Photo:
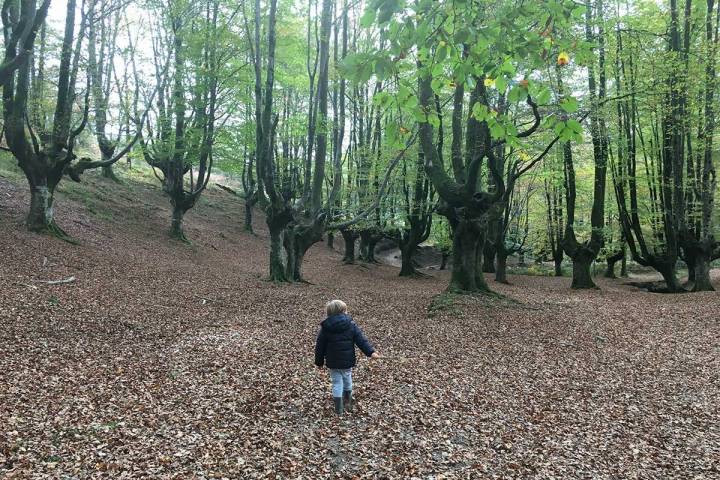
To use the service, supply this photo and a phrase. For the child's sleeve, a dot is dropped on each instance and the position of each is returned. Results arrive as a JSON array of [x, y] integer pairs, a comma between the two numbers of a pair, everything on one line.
[[320, 345], [361, 341]]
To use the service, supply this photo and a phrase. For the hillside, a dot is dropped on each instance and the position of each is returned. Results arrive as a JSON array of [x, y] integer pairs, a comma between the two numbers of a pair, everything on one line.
[[167, 360]]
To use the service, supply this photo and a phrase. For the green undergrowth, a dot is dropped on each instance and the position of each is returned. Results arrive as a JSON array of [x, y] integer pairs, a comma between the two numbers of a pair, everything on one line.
[[9, 168]]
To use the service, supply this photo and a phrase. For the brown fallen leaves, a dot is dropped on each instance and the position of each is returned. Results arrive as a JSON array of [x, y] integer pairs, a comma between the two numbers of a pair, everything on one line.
[[167, 361]]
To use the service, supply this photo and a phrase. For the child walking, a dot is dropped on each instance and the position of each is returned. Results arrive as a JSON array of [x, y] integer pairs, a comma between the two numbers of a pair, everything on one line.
[[335, 348]]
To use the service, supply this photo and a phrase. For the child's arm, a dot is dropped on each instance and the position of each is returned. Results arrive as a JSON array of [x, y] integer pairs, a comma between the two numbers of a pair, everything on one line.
[[362, 342], [320, 345]]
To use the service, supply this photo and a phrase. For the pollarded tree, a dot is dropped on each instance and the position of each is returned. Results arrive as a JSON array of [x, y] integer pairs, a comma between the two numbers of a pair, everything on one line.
[[43, 160], [583, 253], [105, 16], [418, 202], [513, 223], [663, 171], [700, 247], [480, 46], [183, 129]]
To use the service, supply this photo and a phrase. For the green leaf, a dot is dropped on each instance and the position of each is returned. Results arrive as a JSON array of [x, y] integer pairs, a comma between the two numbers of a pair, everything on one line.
[[368, 18], [543, 95], [442, 53], [497, 131], [436, 85], [517, 94], [383, 68], [462, 35], [575, 126], [569, 104]]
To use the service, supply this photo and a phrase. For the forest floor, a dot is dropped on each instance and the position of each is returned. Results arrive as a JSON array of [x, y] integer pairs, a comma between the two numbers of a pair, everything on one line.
[[167, 360]]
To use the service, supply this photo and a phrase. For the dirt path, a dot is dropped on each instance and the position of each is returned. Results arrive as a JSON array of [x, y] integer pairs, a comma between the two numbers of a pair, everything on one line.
[[164, 360]]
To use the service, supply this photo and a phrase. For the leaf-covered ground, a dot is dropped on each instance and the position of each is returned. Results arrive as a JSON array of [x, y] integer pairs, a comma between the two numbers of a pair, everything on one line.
[[163, 360]]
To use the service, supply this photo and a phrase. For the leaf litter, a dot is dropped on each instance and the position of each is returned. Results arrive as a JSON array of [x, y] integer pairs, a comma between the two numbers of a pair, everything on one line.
[[166, 361]]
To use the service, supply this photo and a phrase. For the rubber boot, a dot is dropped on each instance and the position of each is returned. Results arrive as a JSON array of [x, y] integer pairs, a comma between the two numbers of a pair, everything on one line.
[[338, 405], [348, 400]]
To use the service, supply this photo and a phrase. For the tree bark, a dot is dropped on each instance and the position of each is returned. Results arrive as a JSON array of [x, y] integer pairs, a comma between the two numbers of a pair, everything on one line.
[[444, 259], [669, 274], [489, 253], [611, 261], [501, 271], [40, 217], [109, 173], [297, 241], [368, 241], [250, 202], [558, 266], [467, 275], [277, 268], [701, 268], [407, 269], [176, 226], [349, 238], [581, 276]]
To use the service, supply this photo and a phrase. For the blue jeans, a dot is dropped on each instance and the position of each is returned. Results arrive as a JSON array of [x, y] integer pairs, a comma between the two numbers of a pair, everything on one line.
[[341, 381]]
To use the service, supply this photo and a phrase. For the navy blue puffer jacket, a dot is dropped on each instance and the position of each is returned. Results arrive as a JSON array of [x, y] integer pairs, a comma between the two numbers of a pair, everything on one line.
[[335, 346]]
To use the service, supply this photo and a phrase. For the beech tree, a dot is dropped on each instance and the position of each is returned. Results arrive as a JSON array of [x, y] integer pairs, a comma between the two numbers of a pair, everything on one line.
[[21, 23], [452, 52], [674, 176], [181, 133], [43, 159], [584, 253]]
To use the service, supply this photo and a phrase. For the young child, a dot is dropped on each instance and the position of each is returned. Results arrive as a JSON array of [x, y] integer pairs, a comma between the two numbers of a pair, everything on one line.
[[335, 348]]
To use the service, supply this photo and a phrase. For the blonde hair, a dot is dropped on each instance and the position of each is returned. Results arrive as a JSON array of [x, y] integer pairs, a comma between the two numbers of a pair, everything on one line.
[[334, 307]]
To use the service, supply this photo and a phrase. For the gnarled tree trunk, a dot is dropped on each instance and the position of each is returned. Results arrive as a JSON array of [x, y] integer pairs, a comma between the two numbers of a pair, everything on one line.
[[349, 238]]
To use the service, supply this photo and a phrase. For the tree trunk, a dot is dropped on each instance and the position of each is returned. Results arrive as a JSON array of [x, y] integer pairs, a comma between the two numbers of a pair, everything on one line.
[[40, 217], [669, 274], [109, 173], [623, 266], [277, 268], [444, 259], [489, 253], [368, 241], [610, 269], [701, 268], [331, 240], [501, 271], [407, 268], [250, 200], [581, 276], [558, 266], [611, 261], [176, 227], [467, 272], [297, 240], [248, 217], [691, 273], [349, 238]]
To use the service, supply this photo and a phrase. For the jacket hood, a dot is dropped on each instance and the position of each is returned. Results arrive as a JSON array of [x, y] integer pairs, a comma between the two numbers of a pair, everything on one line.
[[337, 323]]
